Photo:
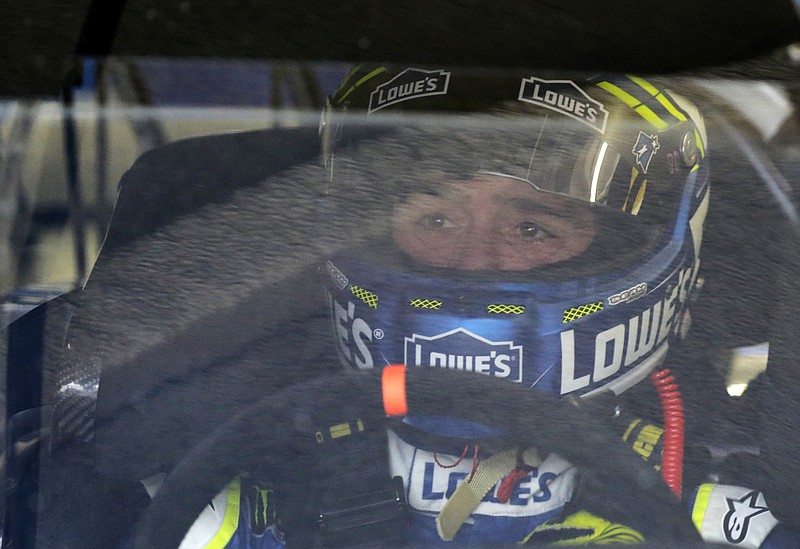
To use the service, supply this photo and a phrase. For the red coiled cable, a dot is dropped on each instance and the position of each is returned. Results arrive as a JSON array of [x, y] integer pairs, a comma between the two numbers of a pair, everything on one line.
[[672, 405]]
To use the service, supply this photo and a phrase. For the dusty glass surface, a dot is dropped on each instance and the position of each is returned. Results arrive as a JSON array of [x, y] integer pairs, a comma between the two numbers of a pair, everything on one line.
[[231, 318]]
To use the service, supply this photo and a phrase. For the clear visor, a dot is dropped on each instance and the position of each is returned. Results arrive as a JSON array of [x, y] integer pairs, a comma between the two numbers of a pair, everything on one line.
[[553, 153], [479, 193]]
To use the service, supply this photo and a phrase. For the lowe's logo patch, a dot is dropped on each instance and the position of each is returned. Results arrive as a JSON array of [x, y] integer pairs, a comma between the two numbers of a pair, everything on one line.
[[566, 97], [645, 149], [460, 349], [409, 84]]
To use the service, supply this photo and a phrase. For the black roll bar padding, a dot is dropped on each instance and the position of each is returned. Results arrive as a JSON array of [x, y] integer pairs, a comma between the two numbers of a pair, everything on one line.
[[281, 424], [780, 414]]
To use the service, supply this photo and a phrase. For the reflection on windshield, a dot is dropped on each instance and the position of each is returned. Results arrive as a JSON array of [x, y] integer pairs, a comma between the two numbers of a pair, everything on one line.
[[222, 197]]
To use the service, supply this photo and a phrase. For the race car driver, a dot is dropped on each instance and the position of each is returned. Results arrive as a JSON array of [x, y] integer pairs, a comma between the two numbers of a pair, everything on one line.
[[538, 228]]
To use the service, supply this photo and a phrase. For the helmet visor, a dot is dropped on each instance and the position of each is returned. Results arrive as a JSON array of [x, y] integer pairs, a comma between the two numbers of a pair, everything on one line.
[[492, 192]]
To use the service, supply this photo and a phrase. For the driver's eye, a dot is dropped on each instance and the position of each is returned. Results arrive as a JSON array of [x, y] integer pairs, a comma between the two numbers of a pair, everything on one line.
[[529, 231], [435, 221]]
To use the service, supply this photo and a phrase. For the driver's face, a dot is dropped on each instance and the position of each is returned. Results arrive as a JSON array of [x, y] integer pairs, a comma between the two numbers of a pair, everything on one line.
[[491, 223]]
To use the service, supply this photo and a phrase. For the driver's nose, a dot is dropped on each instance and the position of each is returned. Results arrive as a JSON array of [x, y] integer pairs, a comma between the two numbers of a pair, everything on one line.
[[480, 251]]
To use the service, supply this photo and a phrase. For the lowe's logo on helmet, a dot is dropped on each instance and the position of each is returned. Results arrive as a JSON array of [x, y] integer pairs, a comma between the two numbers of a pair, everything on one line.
[[353, 334], [566, 97], [409, 84], [637, 343], [460, 349]]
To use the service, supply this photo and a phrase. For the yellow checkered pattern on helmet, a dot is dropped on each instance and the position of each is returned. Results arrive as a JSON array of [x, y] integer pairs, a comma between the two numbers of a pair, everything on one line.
[[366, 296], [574, 313], [434, 304], [500, 308]]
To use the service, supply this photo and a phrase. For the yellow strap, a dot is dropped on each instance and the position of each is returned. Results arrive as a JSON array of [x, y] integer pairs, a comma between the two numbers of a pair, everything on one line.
[[469, 494], [700, 505], [231, 520]]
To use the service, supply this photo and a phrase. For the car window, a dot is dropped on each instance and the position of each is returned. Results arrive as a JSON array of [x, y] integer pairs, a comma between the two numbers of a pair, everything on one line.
[[211, 268]]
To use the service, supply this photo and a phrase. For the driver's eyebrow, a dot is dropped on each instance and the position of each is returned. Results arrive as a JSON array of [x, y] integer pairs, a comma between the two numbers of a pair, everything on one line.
[[529, 205]]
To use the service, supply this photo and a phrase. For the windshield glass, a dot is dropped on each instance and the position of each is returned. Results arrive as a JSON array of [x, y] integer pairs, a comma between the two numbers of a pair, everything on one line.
[[208, 267]]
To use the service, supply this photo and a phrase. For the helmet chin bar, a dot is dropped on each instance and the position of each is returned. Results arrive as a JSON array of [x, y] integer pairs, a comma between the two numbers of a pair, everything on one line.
[[548, 334], [296, 413]]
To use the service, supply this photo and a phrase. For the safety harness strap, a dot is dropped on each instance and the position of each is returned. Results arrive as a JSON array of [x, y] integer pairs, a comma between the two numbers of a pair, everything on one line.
[[470, 493]]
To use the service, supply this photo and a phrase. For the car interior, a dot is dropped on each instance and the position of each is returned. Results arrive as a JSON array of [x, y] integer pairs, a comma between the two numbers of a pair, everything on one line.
[[162, 303]]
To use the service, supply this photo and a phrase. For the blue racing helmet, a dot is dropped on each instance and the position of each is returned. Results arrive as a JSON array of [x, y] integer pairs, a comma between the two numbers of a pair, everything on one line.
[[534, 227]]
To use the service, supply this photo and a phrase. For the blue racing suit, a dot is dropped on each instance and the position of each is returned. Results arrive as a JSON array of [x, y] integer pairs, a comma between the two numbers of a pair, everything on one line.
[[530, 505]]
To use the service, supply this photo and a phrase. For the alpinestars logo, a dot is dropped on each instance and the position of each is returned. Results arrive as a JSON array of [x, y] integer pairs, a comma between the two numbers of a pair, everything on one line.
[[460, 349], [645, 149], [566, 97], [740, 512], [409, 84]]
